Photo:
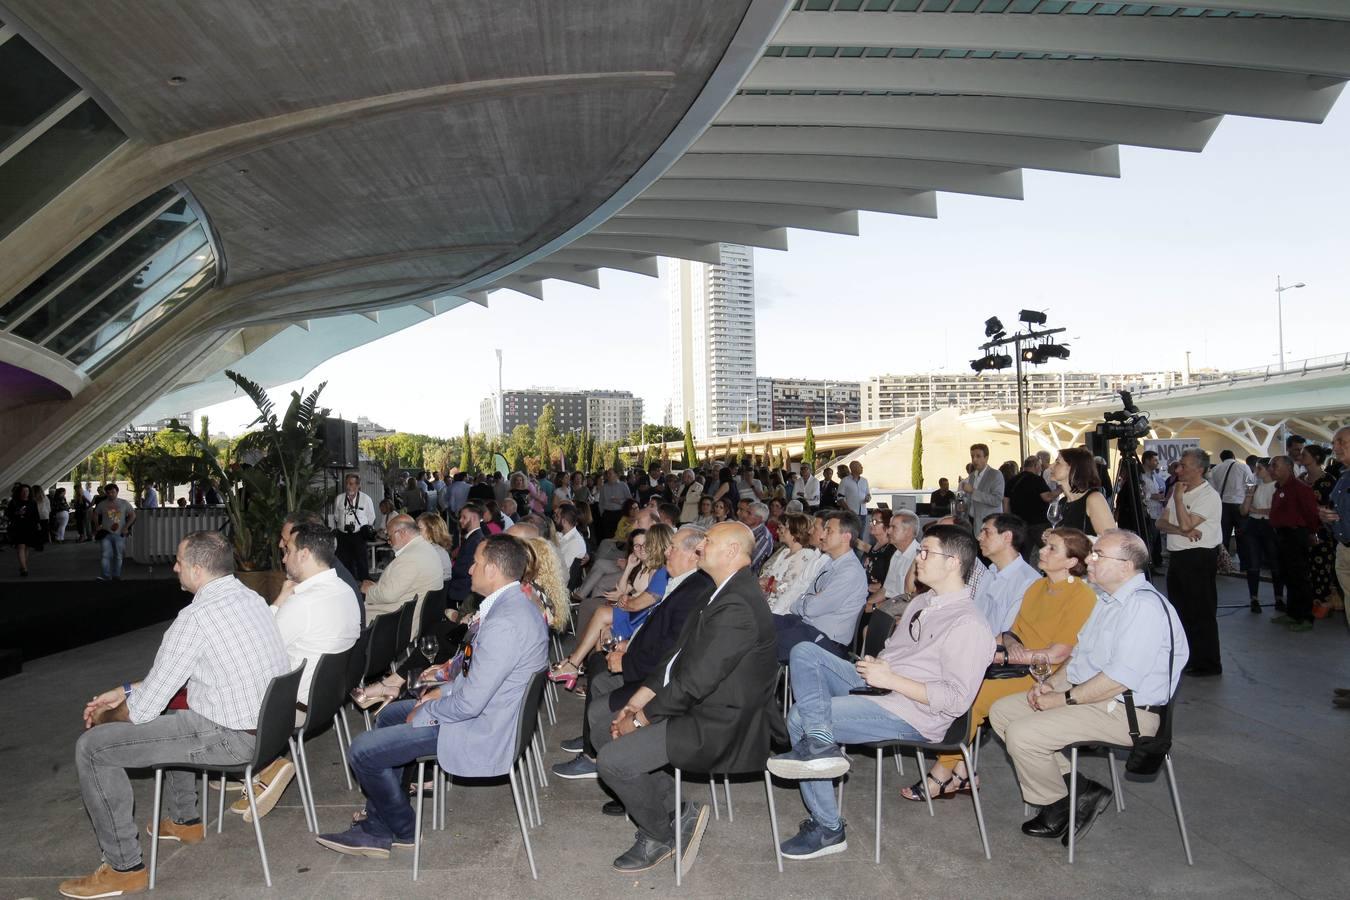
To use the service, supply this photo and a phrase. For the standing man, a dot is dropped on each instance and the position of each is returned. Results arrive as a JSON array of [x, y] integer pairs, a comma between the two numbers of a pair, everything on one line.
[[1124, 646], [150, 500], [1191, 520], [829, 490], [1000, 589], [1153, 488], [857, 492], [614, 493], [809, 493], [127, 727], [352, 518], [113, 518], [827, 613], [983, 487], [1028, 499], [1337, 519], [1230, 478], [1297, 519], [709, 707]]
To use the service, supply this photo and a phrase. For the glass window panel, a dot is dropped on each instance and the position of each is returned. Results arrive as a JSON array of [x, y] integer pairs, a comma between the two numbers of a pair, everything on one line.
[[995, 6], [878, 5], [848, 5], [817, 5], [798, 51], [118, 265], [103, 346], [164, 275], [850, 52], [1023, 6], [966, 6], [877, 52], [30, 87], [81, 255], [43, 169]]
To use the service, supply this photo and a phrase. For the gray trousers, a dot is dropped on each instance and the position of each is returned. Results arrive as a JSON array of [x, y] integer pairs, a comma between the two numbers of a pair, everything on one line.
[[598, 713], [105, 752], [633, 767]]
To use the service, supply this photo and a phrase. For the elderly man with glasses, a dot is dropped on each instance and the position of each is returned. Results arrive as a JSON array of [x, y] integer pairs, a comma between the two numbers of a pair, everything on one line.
[[1129, 646], [926, 677]]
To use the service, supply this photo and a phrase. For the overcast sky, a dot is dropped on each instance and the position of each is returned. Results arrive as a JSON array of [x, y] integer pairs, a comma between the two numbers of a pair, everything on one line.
[[1179, 254]]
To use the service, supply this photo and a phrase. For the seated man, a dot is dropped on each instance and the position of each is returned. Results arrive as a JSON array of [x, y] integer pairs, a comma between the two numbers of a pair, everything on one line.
[[634, 661], [459, 595], [709, 707], [827, 613], [932, 668], [226, 680], [754, 514], [1003, 584], [414, 572], [900, 582], [316, 614], [571, 545], [1125, 645], [470, 723]]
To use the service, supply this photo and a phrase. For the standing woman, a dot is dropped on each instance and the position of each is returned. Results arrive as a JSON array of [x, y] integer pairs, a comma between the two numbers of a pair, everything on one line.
[[24, 524], [60, 515], [44, 508], [1081, 505], [1258, 537], [1322, 555]]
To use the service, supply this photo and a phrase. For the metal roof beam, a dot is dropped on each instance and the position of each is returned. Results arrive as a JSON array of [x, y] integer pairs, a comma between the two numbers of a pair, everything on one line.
[[897, 201], [834, 219], [1269, 95], [1305, 46], [1318, 9], [561, 272], [638, 264], [699, 230], [914, 174], [1166, 129], [900, 143], [680, 248], [530, 287]]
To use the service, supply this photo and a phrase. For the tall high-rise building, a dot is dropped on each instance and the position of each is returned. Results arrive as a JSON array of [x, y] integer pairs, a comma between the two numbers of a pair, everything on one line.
[[712, 341]]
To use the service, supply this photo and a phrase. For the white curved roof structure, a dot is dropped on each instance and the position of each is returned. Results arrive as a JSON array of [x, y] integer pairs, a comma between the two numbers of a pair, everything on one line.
[[263, 186]]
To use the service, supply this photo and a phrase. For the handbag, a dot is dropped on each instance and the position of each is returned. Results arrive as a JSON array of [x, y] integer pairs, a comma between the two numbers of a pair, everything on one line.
[[1149, 753], [999, 671]]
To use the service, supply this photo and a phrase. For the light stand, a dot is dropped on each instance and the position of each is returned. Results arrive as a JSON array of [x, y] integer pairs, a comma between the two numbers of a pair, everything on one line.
[[1018, 342]]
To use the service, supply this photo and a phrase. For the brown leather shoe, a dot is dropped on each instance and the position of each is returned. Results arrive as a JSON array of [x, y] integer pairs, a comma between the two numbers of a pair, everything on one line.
[[169, 830], [106, 882]]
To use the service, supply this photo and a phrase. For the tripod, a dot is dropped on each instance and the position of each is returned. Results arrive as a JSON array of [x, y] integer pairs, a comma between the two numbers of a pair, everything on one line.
[[1131, 514]]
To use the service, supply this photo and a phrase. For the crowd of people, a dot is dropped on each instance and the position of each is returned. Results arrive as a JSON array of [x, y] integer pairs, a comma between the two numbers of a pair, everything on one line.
[[690, 595]]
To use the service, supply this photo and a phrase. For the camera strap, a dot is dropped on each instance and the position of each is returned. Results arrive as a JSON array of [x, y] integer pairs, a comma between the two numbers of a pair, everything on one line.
[[353, 509]]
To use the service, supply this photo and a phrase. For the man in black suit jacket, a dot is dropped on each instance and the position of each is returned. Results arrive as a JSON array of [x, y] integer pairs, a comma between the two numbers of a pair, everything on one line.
[[708, 707], [459, 589]]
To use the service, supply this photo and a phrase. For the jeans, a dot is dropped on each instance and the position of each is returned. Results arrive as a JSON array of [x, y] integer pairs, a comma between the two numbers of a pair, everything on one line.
[[114, 546], [820, 690], [793, 630], [105, 752], [378, 758], [1258, 549]]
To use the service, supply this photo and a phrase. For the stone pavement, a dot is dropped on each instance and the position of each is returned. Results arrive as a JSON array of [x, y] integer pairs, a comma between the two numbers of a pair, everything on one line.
[[1260, 756]]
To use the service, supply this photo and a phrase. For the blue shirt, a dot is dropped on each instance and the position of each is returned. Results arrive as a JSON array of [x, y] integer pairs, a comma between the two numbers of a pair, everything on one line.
[[1126, 638], [999, 593], [834, 599], [1340, 501]]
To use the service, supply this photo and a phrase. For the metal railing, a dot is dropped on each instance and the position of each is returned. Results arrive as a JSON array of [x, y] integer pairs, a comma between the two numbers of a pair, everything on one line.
[[1295, 369]]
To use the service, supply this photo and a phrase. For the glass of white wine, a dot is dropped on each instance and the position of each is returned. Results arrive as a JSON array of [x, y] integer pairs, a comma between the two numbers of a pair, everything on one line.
[[1040, 667]]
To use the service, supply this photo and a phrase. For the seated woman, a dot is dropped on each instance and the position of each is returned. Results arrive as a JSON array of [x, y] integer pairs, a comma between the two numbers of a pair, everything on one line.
[[625, 526], [1053, 612], [433, 531], [642, 586], [785, 574], [877, 561], [722, 508], [775, 520], [705, 518]]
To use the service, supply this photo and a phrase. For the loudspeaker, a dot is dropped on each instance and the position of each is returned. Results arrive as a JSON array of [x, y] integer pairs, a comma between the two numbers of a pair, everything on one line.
[[339, 443]]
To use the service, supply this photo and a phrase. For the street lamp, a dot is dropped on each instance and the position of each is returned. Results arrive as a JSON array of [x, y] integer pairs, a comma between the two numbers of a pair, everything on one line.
[[783, 419], [1279, 310]]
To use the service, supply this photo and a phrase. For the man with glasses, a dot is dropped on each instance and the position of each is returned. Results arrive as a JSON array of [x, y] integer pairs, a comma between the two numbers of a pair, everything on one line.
[[1192, 520], [926, 677], [1125, 645], [827, 613]]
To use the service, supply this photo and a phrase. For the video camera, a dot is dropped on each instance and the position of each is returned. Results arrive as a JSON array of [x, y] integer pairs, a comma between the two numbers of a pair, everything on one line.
[[1128, 424]]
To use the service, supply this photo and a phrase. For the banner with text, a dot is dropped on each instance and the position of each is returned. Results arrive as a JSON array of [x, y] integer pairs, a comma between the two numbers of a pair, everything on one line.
[[1169, 451]]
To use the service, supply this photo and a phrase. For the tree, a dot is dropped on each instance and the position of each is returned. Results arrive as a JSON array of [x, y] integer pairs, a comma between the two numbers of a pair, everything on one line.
[[466, 454], [616, 462], [740, 454], [652, 434], [569, 450], [690, 450], [545, 432], [784, 461], [916, 464], [809, 445], [768, 454], [517, 458]]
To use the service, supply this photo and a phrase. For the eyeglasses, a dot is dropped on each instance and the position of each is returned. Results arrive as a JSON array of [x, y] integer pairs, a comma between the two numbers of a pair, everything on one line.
[[924, 553], [1097, 555]]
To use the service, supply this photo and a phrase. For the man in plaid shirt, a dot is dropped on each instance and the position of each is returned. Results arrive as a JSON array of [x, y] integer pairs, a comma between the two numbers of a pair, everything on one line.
[[226, 648]]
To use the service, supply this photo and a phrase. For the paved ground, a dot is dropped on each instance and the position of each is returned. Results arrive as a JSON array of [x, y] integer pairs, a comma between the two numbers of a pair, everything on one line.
[[1260, 756]]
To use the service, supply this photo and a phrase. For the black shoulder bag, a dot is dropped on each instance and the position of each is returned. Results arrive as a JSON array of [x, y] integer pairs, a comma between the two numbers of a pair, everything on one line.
[[1149, 752]]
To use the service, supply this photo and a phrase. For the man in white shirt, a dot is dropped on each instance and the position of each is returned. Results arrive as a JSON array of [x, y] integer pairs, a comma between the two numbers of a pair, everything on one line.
[[983, 487], [1230, 478], [571, 545], [1191, 521], [809, 490], [316, 613], [414, 572], [352, 517], [904, 534], [855, 489]]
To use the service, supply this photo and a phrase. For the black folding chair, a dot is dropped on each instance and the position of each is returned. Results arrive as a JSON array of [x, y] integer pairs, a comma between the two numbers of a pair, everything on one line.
[[382, 650], [406, 614], [433, 612], [327, 691], [276, 722], [356, 670]]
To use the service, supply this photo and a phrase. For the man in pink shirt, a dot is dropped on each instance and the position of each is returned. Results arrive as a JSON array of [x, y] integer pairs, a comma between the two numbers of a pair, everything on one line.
[[929, 673]]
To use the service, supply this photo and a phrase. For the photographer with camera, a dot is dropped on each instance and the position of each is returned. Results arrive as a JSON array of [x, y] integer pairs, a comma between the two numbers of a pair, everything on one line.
[[352, 518]]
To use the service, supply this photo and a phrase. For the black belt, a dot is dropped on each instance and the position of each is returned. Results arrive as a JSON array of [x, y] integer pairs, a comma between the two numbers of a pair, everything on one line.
[[1153, 709]]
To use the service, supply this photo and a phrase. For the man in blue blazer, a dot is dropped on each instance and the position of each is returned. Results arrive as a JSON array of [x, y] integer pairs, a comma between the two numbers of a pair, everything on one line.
[[470, 723]]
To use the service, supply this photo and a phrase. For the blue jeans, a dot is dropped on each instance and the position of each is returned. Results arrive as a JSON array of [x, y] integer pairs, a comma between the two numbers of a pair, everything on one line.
[[378, 758], [821, 701], [114, 544]]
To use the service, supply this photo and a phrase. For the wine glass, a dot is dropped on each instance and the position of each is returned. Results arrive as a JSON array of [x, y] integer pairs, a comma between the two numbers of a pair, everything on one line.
[[428, 646], [1040, 667]]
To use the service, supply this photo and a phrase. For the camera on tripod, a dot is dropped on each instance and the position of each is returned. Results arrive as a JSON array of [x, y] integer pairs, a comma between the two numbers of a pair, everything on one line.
[[1128, 424]]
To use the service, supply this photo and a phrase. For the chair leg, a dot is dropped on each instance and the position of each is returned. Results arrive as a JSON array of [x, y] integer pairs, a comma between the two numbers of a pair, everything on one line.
[[712, 789], [839, 795], [369, 724], [1115, 781], [1073, 798], [339, 726], [975, 753], [205, 808], [1176, 805], [539, 759], [726, 783], [899, 763], [881, 771], [524, 828], [220, 811], [444, 778], [257, 824], [154, 826], [773, 821], [417, 820], [679, 830], [532, 759], [975, 795], [302, 787], [923, 779], [309, 784]]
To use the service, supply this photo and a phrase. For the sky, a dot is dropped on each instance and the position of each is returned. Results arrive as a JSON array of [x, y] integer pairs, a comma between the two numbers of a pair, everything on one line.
[[1181, 253]]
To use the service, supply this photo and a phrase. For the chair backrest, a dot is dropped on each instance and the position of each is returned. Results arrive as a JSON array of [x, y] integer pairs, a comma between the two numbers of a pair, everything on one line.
[[433, 612], [527, 721], [575, 576], [879, 628], [958, 730], [405, 623], [327, 690], [383, 643], [356, 659], [276, 719]]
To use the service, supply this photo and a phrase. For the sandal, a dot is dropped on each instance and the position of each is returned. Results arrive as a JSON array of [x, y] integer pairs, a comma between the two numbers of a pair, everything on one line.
[[915, 791], [567, 679]]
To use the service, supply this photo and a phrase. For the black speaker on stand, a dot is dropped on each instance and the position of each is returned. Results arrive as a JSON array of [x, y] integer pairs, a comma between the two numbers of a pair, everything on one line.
[[339, 443]]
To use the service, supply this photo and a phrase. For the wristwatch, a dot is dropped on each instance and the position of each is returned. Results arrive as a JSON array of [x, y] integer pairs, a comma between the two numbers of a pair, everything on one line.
[[637, 723], [126, 688], [1068, 698]]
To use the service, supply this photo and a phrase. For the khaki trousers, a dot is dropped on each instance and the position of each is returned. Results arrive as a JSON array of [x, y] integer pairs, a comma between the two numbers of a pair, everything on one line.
[[1343, 568], [1034, 739]]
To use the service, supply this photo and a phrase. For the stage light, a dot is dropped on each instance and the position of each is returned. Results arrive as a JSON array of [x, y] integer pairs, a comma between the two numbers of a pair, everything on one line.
[[1055, 351], [1031, 317], [1029, 354], [992, 326]]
